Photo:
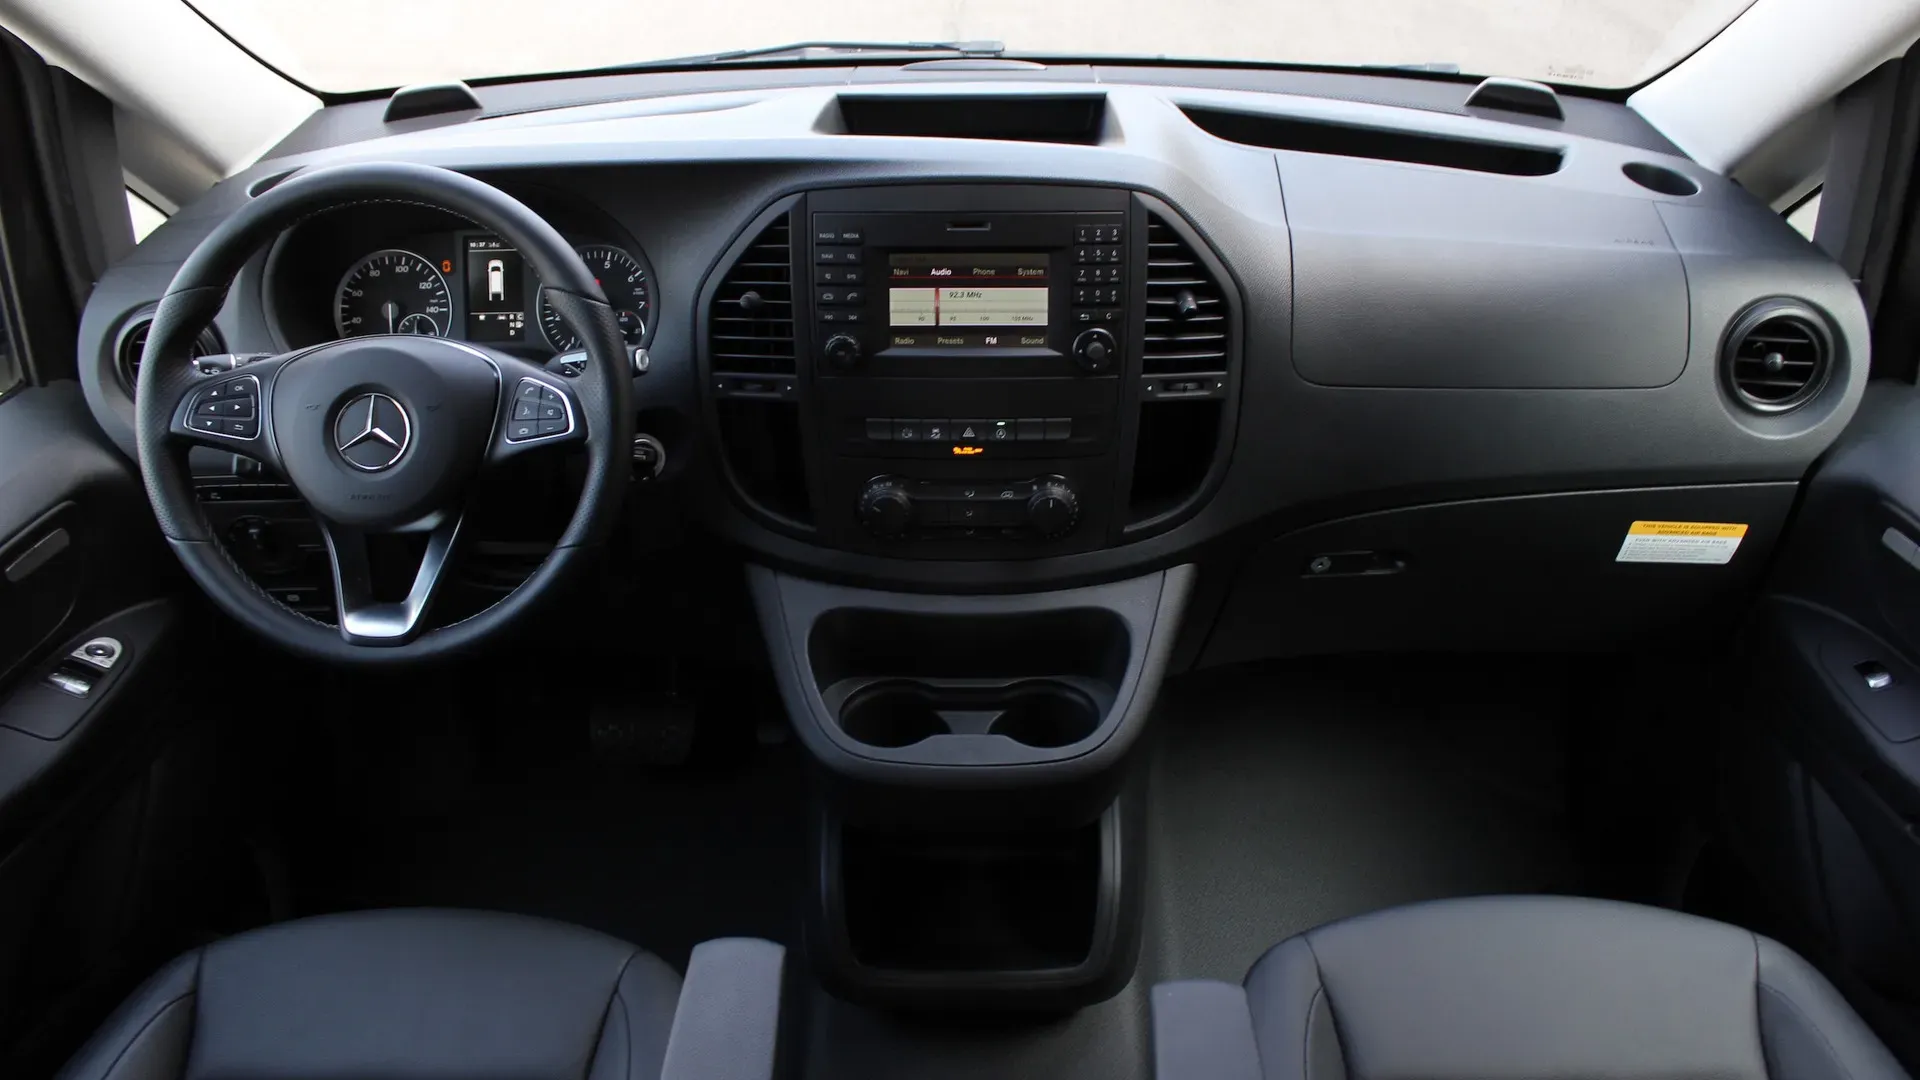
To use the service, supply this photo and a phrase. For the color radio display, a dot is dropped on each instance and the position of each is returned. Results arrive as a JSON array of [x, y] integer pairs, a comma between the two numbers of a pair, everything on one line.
[[967, 300]]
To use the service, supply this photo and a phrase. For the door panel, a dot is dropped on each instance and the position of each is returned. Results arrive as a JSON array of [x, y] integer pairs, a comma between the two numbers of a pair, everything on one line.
[[77, 538], [80, 559], [1821, 790]]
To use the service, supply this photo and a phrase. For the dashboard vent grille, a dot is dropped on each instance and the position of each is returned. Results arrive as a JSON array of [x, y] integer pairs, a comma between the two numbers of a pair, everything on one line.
[[133, 342], [753, 308], [1186, 310], [1777, 357]]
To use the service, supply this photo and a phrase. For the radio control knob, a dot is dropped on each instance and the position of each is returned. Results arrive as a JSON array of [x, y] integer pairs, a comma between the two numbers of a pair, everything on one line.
[[1053, 509], [843, 352], [1095, 351], [886, 508]]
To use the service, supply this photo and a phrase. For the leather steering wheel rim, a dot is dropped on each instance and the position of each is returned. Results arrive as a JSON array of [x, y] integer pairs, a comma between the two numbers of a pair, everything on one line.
[[603, 393]]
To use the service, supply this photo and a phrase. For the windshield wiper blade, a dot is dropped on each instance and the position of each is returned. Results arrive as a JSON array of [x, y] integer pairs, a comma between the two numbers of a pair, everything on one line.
[[807, 50]]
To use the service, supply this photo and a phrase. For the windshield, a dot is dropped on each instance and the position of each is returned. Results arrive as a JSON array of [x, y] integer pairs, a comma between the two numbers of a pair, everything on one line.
[[357, 45]]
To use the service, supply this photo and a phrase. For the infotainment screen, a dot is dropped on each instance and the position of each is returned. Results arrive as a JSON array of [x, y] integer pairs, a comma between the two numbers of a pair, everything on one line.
[[967, 300]]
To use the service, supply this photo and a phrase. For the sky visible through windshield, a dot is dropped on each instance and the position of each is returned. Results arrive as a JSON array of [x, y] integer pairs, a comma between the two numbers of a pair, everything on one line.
[[349, 45]]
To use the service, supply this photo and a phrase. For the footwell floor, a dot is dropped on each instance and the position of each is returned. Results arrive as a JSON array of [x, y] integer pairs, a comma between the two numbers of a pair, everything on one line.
[[1278, 799]]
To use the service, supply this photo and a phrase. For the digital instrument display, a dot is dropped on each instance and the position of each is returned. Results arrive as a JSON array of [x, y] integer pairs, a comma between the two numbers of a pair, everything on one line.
[[496, 295], [967, 300]]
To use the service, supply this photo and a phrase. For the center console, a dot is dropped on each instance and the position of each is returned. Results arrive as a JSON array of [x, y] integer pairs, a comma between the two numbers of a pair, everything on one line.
[[976, 372], [985, 373], [978, 842]]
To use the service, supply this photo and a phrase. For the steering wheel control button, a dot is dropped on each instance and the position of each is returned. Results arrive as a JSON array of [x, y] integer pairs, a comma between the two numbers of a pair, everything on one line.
[[539, 412], [100, 652], [229, 408], [372, 432]]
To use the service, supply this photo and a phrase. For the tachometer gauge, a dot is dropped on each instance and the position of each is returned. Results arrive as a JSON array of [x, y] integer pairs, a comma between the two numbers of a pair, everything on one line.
[[624, 281], [393, 292]]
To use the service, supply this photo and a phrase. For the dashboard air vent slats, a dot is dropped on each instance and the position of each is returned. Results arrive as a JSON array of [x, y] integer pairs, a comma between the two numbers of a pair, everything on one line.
[[133, 342], [1186, 315], [1777, 356], [752, 328]]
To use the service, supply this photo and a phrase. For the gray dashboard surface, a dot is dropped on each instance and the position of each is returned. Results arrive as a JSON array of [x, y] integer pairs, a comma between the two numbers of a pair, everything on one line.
[[1412, 333], [359, 120]]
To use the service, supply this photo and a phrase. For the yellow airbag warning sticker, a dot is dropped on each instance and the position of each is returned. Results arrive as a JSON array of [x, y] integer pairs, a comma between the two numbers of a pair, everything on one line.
[[1706, 542]]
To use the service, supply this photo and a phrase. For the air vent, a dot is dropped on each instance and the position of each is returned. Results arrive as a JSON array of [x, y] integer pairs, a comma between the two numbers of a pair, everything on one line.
[[1777, 356], [753, 308], [133, 342], [1186, 313]]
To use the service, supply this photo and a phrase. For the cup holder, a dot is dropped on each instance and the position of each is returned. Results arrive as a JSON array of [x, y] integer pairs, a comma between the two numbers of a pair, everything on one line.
[[1045, 714], [891, 715]]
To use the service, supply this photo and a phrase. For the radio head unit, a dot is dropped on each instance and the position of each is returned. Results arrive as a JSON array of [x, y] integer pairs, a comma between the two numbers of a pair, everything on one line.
[[1006, 295]]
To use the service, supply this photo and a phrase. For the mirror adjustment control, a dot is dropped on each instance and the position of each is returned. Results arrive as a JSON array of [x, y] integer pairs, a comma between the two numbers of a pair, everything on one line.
[[100, 652]]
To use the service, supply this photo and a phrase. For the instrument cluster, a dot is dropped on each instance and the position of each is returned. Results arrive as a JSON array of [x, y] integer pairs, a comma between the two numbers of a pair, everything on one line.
[[388, 271]]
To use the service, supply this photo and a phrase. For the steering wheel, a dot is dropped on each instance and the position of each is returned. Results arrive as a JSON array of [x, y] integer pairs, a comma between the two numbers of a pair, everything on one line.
[[381, 434]]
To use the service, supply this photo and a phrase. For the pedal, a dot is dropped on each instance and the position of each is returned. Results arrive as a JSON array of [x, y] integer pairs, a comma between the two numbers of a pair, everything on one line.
[[656, 730]]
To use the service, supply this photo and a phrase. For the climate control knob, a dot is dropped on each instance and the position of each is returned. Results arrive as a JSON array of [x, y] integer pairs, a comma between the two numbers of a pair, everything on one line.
[[842, 351], [1053, 509], [886, 508], [1095, 351]]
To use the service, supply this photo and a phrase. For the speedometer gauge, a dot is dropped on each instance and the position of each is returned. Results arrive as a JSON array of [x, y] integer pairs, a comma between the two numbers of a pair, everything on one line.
[[393, 292], [623, 280]]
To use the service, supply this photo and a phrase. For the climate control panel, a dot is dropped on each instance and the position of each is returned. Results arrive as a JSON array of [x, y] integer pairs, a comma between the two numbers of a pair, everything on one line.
[[1043, 507]]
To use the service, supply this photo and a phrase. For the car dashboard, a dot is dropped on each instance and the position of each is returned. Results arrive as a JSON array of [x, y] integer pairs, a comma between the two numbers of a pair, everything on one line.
[[1394, 370]]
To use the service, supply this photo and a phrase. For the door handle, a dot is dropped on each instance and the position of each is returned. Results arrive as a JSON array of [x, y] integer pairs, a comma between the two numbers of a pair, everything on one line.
[[38, 555]]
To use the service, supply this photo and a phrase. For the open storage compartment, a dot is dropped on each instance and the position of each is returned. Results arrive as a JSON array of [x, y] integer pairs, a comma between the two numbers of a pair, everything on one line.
[[1037, 915], [999, 901]]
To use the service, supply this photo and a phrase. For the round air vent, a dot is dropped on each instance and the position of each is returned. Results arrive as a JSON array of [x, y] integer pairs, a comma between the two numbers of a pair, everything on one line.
[[1777, 356], [133, 342]]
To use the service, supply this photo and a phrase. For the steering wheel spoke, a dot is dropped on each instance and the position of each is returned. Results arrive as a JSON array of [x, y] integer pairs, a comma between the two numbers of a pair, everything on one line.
[[363, 618], [228, 407]]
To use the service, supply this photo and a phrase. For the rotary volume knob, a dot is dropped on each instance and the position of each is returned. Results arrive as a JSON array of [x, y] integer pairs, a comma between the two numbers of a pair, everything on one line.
[[843, 352], [1053, 509], [886, 509]]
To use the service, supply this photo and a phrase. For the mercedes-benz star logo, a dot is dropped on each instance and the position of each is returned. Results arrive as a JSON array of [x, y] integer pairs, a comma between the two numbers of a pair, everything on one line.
[[371, 432]]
